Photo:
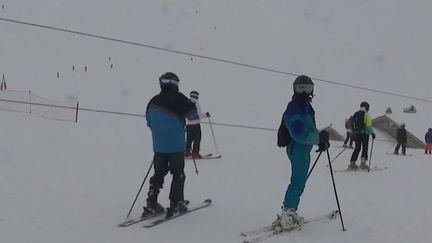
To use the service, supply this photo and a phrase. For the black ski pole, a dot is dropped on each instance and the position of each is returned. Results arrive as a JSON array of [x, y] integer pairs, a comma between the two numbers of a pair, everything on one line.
[[334, 187], [196, 169], [339, 154], [370, 157], [319, 155], [139, 191], [214, 138]]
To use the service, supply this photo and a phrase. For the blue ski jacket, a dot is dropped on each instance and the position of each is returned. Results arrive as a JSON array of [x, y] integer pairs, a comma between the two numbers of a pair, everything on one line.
[[428, 136], [165, 114]]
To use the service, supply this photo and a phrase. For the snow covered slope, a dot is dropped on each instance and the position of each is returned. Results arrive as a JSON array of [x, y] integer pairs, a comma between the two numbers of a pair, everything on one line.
[[65, 182]]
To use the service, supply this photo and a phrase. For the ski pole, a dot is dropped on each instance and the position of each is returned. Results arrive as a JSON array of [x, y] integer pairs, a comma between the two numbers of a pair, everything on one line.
[[139, 191], [319, 155], [214, 138], [196, 169], [335, 191], [343, 150], [370, 158]]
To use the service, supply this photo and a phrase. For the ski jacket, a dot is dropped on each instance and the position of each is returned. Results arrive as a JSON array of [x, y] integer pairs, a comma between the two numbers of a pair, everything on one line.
[[165, 115], [299, 119], [428, 136], [368, 130], [201, 115], [401, 135]]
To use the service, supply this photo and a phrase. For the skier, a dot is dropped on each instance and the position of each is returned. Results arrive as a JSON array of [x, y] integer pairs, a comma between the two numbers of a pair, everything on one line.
[[193, 129], [401, 137], [362, 128], [299, 119], [348, 127], [165, 114], [428, 140]]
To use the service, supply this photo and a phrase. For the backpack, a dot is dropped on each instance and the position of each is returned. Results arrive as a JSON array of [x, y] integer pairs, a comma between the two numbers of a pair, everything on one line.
[[283, 136], [358, 121]]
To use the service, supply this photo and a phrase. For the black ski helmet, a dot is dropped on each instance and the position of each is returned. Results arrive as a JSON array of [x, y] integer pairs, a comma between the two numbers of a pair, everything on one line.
[[303, 84], [365, 105], [169, 79]]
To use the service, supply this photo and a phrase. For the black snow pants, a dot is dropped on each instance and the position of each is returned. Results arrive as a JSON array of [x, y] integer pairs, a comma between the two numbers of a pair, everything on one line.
[[164, 163], [361, 143], [193, 136]]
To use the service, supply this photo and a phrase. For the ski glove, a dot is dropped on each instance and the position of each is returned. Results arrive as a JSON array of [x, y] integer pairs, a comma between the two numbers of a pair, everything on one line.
[[207, 114], [324, 143], [373, 135]]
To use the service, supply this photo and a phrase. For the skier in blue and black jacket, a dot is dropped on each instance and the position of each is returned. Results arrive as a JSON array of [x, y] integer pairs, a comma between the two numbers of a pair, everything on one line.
[[299, 119], [166, 114]]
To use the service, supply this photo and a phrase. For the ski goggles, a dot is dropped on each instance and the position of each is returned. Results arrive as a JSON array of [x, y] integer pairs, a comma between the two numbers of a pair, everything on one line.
[[304, 88]]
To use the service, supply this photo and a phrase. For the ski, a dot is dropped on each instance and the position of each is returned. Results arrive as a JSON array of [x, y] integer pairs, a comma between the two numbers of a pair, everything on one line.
[[207, 156], [399, 154], [158, 221], [267, 232], [130, 222], [375, 168]]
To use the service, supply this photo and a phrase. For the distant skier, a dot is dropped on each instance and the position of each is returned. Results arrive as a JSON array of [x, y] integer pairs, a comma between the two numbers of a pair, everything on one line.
[[193, 129], [348, 128], [299, 120], [401, 137], [428, 140], [362, 128], [165, 114]]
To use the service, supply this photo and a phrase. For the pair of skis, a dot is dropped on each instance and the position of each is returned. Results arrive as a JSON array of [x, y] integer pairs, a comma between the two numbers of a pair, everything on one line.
[[159, 217], [207, 156], [266, 232], [375, 168]]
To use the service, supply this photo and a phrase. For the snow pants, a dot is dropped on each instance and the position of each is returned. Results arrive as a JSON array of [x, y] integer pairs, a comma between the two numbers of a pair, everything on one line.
[[193, 136], [428, 148], [164, 163], [299, 155], [361, 141], [403, 145]]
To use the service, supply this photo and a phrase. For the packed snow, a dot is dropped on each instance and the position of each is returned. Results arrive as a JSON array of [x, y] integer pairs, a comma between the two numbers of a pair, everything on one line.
[[75, 182]]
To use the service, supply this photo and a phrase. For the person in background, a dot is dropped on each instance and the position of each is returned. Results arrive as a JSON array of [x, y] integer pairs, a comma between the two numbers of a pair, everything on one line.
[[193, 129], [348, 127], [362, 129], [428, 140], [401, 137]]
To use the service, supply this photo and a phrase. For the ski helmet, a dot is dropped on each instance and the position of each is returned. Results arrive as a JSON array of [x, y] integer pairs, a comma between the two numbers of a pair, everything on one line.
[[169, 80], [194, 94], [365, 105], [303, 84]]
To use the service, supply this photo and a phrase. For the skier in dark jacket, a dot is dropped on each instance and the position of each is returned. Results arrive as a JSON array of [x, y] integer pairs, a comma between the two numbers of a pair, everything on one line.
[[165, 114], [428, 140], [401, 137], [362, 128], [299, 119], [348, 128]]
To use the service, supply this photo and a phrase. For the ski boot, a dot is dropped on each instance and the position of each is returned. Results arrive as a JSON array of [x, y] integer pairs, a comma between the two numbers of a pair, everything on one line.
[[288, 219], [352, 166], [152, 208], [176, 207], [187, 154], [196, 155], [363, 164]]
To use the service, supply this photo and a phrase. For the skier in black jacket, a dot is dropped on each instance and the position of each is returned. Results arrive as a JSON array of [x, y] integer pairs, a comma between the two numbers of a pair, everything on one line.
[[401, 137]]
